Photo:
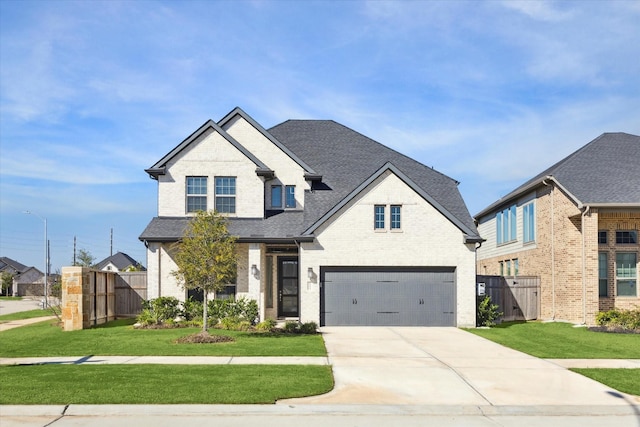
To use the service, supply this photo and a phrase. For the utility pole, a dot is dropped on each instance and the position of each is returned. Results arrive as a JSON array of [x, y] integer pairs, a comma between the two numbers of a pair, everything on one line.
[[111, 250], [74, 251]]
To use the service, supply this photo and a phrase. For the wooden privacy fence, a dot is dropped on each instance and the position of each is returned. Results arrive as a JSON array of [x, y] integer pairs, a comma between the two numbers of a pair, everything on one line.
[[92, 297], [517, 297]]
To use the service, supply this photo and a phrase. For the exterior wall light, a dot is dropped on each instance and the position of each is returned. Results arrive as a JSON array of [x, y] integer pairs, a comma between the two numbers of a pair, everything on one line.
[[310, 273], [254, 270]]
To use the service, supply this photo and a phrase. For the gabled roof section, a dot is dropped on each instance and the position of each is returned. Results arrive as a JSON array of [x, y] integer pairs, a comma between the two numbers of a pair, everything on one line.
[[120, 260], [160, 166], [346, 159], [469, 233], [310, 174], [14, 265], [602, 173]]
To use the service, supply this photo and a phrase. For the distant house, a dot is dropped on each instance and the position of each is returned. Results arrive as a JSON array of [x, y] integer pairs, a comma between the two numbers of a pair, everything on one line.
[[27, 281], [576, 226], [331, 226], [119, 262]]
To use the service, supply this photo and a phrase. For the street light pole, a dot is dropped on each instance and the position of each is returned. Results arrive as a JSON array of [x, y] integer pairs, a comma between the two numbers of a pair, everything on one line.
[[46, 260]]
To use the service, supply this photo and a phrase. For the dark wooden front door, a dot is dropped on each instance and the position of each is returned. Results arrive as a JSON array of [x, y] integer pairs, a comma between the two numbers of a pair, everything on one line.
[[288, 287]]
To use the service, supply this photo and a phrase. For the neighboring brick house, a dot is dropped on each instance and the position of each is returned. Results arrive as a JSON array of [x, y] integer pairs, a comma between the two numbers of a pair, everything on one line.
[[331, 226], [576, 226], [119, 262]]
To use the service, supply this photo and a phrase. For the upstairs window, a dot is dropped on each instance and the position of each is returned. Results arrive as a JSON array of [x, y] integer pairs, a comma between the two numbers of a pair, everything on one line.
[[627, 237], [378, 217], [395, 217], [602, 237], [528, 223], [506, 225], [226, 194], [196, 193], [276, 196], [290, 196]]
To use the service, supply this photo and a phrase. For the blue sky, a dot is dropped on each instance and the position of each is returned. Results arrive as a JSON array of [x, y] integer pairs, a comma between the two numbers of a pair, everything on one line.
[[94, 92]]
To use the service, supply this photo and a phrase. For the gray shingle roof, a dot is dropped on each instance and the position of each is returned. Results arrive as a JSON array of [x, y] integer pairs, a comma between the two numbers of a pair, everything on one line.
[[120, 260], [606, 171], [345, 159], [15, 265]]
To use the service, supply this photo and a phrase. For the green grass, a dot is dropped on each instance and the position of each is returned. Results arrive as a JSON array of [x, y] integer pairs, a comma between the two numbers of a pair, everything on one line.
[[562, 341], [120, 338], [10, 298], [624, 380], [29, 314], [160, 384]]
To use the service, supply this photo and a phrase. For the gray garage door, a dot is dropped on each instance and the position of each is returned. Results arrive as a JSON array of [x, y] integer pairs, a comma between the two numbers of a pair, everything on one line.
[[378, 296]]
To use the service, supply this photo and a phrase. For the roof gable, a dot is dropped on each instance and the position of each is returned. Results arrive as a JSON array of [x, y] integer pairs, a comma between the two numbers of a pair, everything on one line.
[[120, 260], [603, 172], [238, 112], [159, 167]]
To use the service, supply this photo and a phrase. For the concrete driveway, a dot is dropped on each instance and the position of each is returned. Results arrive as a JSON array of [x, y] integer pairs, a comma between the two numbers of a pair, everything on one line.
[[447, 366]]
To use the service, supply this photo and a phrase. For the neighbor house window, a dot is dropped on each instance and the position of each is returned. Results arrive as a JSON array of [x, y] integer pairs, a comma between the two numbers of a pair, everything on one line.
[[506, 225], [626, 267], [290, 196], [226, 194], [529, 222], [603, 282], [507, 268], [378, 217], [501, 268], [276, 196], [602, 237], [516, 267], [395, 217], [196, 193], [627, 237]]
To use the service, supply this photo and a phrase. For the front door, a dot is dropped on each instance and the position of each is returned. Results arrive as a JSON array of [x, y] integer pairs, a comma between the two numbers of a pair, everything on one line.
[[288, 287]]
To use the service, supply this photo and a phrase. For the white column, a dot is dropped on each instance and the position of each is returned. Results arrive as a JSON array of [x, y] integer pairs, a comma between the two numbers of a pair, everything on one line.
[[255, 279]]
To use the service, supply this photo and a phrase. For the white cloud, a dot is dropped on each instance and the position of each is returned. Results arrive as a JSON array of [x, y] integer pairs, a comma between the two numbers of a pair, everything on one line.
[[538, 9]]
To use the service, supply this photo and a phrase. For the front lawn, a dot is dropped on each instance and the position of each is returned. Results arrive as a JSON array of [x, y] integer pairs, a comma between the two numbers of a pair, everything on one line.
[[160, 384], [119, 338], [29, 314], [624, 380], [562, 341]]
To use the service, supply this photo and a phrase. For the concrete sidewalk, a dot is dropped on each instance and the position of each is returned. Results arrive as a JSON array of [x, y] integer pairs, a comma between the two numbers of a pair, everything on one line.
[[165, 360], [5, 326]]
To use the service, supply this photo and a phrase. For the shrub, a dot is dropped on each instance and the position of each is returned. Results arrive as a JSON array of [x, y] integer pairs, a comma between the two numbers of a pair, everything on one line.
[[243, 308], [159, 310], [266, 325], [624, 319], [191, 309], [235, 324], [487, 312], [309, 328], [291, 327]]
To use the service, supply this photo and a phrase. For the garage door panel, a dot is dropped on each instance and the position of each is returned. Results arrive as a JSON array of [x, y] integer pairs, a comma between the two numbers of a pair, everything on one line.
[[388, 298]]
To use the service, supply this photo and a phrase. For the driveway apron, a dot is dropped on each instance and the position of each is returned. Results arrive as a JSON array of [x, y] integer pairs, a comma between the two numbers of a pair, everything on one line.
[[447, 366]]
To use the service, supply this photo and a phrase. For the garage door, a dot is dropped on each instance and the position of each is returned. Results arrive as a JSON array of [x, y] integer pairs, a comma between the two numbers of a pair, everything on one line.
[[379, 296]]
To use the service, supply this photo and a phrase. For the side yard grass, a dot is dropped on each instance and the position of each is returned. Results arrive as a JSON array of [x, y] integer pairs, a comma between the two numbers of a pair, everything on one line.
[[119, 338], [564, 341], [29, 314], [160, 384]]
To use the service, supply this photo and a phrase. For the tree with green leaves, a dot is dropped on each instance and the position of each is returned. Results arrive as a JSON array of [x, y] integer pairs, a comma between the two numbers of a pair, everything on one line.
[[6, 282], [206, 257], [85, 259]]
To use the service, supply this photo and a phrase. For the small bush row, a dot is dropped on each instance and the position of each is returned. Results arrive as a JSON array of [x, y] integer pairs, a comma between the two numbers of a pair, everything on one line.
[[230, 314], [618, 318]]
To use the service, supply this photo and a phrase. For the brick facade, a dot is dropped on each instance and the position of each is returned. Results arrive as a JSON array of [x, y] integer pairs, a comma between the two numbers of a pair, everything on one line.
[[565, 255]]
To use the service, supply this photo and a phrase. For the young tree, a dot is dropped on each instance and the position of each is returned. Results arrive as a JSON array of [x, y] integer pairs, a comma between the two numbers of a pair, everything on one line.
[[206, 257], [6, 282], [85, 259]]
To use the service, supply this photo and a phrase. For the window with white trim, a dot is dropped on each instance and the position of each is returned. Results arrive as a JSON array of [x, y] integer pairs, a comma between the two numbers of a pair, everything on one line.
[[395, 217], [226, 194], [626, 273], [276, 196], [529, 222], [506, 225], [378, 217], [196, 193], [290, 196]]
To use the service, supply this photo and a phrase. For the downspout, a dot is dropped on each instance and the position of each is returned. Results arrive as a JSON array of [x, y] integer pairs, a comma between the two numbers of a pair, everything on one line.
[[584, 282], [553, 254]]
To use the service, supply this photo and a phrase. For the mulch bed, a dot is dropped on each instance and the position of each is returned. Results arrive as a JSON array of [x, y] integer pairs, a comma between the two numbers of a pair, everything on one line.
[[204, 338], [614, 330]]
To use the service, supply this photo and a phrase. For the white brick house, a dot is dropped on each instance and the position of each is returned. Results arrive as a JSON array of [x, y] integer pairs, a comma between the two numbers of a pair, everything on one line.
[[331, 226]]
